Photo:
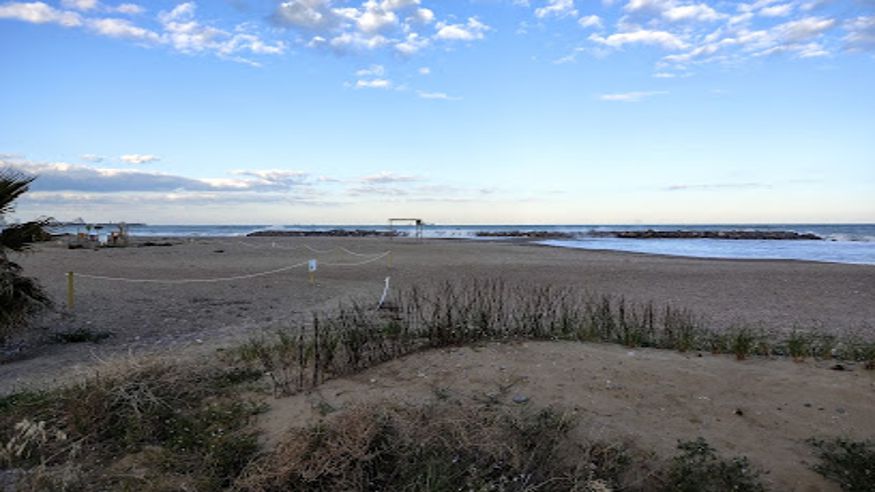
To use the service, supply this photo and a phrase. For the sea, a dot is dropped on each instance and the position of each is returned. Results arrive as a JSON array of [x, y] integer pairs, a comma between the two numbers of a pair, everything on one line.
[[843, 243]]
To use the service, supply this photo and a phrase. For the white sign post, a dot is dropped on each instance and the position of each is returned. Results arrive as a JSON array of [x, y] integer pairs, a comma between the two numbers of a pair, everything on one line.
[[311, 268]]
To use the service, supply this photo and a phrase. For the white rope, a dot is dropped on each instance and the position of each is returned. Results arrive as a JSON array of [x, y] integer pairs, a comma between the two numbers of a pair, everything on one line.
[[365, 262], [320, 251], [226, 279], [191, 280], [354, 253], [273, 245]]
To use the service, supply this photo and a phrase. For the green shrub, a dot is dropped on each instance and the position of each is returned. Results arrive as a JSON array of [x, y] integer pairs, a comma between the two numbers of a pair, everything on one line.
[[698, 469], [851, 464]]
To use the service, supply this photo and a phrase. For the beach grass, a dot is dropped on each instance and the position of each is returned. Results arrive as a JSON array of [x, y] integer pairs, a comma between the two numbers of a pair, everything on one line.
[[356, 336]]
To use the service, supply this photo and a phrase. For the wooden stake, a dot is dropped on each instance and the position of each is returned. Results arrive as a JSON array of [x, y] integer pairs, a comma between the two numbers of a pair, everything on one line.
[[70, 291]]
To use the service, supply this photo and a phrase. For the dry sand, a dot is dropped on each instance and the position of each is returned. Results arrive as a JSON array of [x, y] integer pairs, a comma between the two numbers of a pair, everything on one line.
[[176, 319], [652, 397], [764, 409]]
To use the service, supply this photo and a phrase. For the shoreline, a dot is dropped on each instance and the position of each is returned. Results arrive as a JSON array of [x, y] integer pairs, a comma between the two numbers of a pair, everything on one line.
[[511, 239]]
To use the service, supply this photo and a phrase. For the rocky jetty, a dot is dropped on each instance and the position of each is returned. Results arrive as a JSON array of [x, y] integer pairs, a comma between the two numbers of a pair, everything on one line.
[[527, 234], [735, 235], [328, 233]]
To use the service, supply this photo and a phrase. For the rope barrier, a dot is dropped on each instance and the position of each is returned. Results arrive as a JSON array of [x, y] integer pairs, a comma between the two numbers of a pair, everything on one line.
[[292, 248], [365, 262], [71, 275], [191, 280], [227, 279]]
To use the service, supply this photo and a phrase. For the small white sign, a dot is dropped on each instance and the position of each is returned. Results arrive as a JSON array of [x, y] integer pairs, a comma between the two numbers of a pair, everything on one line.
[[312, 265]]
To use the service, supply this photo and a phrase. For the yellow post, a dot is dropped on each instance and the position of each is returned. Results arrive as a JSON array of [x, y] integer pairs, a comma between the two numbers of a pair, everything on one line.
[[312, 278], [389, 260], [70, 291]]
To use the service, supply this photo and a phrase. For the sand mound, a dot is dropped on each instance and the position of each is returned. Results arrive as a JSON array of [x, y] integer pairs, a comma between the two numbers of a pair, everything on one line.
[[764, 409]]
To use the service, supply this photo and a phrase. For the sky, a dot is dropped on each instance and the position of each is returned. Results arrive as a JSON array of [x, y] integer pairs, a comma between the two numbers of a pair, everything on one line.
[[455, 111]]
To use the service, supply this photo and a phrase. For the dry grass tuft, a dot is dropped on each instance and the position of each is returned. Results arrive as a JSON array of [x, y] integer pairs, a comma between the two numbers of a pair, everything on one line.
[[128, 428], [441, 446]]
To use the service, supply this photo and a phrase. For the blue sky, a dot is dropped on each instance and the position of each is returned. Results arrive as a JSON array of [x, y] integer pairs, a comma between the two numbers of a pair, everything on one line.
[[480, 111]]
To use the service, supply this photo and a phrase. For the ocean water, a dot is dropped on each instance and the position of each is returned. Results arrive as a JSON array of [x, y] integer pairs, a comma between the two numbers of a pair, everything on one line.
[[844, 243]]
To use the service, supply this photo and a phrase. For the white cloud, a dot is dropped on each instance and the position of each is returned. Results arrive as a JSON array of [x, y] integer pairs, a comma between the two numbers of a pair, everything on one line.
[[281, 177], [557, 8], [54, 177], [92, 158], [122, 28], [128, 8], [631, 96], [398, 4], [425, 16], [139, 158], [437, 95], [39, 13], [386, 177], [307, 14], [590, 21], [79, 4], [782, 10], [95, 5], [663, 39], [860, 33], [472, 30], [373, 70], [696, 12], [343, 26], [188, 35], [373, 84], [803, 29], [179, 28], [411, 44], [424, 71], [375, 20], [356, 41]]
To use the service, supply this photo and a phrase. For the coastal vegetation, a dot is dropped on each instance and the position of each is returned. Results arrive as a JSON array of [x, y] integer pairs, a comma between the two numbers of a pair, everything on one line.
[[149, 425], [20, 296], [849, 463], [356, 337], [154, 426]]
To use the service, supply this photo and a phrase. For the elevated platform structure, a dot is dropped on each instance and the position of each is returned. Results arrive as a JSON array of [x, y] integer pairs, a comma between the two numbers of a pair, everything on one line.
[[418, 223]]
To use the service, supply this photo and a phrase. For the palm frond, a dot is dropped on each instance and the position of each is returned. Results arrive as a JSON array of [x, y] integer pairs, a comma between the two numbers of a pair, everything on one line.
[[18, 237], [13, 184]]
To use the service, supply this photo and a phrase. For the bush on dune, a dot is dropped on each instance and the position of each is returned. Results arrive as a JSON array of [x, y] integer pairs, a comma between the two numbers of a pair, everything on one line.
[[144, 427], [437, 447]]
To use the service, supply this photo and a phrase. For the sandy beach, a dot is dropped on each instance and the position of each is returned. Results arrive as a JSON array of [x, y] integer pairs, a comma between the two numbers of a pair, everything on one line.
[[763, 408], [172, 318]]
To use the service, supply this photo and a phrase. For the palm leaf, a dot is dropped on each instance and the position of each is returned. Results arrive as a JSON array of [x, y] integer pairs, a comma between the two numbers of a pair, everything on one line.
[[13, 184], [19, 237]]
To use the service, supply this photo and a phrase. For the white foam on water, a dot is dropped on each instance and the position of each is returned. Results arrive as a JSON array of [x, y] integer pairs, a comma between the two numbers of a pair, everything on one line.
[[852, 252]]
